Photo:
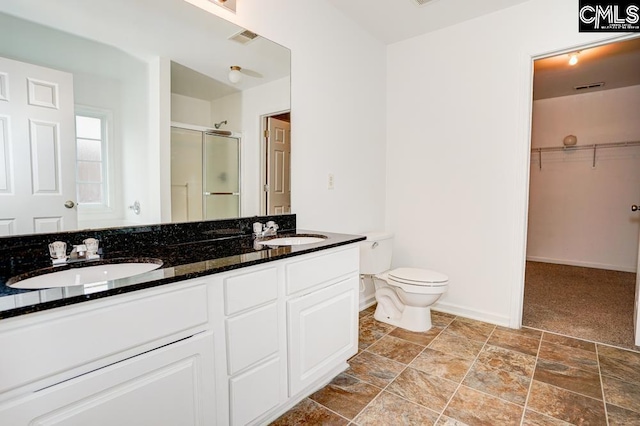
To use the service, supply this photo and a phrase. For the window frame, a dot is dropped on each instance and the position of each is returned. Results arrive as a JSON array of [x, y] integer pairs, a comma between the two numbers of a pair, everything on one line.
[[106, 207]]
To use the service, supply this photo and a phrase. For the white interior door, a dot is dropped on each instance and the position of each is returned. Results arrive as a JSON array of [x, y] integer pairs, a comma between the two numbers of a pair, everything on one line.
[[636, 316], [278, 166], [37, 149]]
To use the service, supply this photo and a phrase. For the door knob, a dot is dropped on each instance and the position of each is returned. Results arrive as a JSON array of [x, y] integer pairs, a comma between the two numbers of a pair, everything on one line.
[[69, 204], [634, 208]]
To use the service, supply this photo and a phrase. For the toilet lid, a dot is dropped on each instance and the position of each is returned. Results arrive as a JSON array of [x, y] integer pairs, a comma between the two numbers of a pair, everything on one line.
[[417, 276]]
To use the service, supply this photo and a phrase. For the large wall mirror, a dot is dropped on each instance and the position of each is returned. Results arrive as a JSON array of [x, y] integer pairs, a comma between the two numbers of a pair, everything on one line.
[[124, 113]]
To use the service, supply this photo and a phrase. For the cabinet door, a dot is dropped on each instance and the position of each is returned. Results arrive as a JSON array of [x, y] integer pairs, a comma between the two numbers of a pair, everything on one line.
[[172, 385], [323, 332]]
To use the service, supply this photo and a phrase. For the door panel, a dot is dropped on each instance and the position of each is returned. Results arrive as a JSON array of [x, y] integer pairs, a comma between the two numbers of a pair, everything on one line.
[[186, 175], [278, 166], [322, 329], [636, 319], [221, 175], [37, 148]]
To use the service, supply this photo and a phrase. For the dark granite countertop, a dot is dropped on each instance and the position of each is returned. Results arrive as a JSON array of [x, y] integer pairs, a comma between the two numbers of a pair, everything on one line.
[[181, 261]]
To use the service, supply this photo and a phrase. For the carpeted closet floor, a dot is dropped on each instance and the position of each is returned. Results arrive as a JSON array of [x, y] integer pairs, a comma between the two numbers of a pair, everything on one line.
[[586, 303]]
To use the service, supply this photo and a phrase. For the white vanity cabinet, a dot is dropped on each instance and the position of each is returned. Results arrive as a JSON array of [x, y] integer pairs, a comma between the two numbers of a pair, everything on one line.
[[234, 348], [290, 326], [254, 325], [143, 358], [166, 386], [322, 315]]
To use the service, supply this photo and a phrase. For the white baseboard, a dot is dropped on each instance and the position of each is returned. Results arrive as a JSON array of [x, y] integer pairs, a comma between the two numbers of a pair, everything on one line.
[[583, 264], [462, 311], [366, 301]]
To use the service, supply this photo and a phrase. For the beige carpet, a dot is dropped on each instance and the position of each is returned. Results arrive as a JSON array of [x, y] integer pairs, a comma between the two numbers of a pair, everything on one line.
[[587, 303]]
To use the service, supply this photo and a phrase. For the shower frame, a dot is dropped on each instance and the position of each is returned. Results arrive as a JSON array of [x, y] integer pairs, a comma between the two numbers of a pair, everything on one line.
[[221, 133]]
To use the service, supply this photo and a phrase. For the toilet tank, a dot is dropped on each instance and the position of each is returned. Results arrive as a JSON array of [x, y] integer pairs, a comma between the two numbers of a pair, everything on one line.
[[375, 252]]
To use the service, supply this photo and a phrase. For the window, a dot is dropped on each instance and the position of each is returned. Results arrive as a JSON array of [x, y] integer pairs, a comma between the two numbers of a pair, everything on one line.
[[92, 189]]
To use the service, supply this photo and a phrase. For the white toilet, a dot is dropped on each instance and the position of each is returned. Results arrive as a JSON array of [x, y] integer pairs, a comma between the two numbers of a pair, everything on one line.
[[404, 295]]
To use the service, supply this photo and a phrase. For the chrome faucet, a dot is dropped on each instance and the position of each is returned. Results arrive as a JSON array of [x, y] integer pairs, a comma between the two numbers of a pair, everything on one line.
[[79, 252], [267, 230], [88, 250]]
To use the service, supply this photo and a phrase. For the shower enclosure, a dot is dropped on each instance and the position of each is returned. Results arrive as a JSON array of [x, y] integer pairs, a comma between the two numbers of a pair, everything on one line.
[[205, 175]]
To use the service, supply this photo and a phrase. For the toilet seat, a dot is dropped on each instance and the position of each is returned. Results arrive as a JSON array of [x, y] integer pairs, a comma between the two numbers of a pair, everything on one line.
[[418, 277], [418, 281]]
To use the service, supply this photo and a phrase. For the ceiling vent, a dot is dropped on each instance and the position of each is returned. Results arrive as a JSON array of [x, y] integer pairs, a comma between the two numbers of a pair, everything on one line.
[[589, 86], [244, 37], [421, 2]]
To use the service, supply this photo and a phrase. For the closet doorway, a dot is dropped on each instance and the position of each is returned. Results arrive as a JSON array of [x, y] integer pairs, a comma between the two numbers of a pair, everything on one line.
[[582, 243]]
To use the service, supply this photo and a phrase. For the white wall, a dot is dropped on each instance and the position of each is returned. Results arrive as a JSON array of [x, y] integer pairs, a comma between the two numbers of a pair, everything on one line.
[[228, 108], [458, 111], [257, 102], [185, 109], [580, 215], [337, 110]]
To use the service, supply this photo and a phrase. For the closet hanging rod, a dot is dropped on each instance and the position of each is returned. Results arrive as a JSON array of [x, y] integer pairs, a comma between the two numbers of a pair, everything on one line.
[[594, 147]]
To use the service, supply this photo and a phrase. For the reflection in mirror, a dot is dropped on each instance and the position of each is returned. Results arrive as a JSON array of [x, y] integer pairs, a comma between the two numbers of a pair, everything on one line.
[[89, 103], [205, 175]]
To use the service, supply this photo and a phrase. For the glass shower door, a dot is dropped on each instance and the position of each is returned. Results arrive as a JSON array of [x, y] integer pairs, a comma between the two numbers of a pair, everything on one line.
[[221, 176]]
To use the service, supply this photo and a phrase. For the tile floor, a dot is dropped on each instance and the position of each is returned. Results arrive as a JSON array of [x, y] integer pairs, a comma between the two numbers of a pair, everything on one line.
[[466, 372]]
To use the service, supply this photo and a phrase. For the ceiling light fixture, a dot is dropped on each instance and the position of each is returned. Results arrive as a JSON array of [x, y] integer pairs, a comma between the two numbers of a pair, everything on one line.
[[573, 58], [235, 75]]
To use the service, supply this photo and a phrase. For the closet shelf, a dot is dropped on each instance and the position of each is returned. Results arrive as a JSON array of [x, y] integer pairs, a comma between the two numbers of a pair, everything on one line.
[[593, 147]]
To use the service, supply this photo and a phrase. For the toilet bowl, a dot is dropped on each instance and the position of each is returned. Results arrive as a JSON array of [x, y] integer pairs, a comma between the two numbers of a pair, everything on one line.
[[404, 295]]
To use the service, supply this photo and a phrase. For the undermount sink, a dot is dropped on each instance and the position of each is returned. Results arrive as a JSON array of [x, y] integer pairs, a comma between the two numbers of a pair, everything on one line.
[[293, 241], [84, 275]]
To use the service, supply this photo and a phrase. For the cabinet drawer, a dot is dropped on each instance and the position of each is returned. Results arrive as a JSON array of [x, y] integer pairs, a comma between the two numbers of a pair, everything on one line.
[[244, 291], [255, 392], [308, 273], [35, 348], [251, 337]]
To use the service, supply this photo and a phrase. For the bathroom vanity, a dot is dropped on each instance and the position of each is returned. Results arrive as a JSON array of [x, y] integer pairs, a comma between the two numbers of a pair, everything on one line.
[[237, 339]]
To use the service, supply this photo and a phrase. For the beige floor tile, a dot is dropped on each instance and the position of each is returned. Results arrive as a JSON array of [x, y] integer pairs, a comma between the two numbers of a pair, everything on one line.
[[443, 365], [389, 409], [419, 338], [448, 421], [522, 331], [424, 389], [396, 349], [370, 331], [569, 378], [572, 357], [531, 418], [621, 417], [621, 393], [441, 319], [565, 405], [569, 341], [519, 342], [374, 369], [507, 360], [456, 345], [346, 395], [474, 330], [619, 363], [308, 412], [476, 408], [368, 311], [512, 387]]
